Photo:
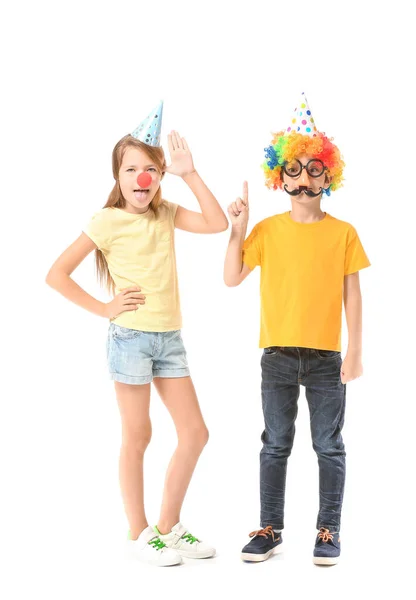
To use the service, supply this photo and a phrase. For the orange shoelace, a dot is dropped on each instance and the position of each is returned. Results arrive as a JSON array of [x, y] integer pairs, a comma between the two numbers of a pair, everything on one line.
[[325, 535], [264, 532]]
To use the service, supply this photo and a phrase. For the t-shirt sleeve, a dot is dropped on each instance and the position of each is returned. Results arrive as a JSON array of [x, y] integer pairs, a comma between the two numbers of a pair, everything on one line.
[[172, 210], [98, 230], [252, 249], [355, 256]]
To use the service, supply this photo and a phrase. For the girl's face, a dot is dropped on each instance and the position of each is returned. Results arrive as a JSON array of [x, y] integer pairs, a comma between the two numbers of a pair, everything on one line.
[[313, 183], [134, 162]]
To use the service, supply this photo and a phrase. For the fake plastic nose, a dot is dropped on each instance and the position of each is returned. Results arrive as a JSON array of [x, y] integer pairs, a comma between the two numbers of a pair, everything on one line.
[[304, 178], [144, 180]]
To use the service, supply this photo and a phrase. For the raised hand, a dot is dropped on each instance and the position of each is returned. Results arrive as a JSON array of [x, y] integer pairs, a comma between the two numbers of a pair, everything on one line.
[[180, 156], [127, 299], [238, 210]]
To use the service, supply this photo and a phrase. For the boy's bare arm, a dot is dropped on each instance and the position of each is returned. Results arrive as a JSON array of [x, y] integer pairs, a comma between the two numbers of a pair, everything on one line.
[[235, 271], [352, 367], [353, 311]]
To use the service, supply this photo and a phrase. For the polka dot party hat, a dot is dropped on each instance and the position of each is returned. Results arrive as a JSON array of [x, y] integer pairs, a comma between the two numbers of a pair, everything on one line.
[[302, 120], [148, 131]]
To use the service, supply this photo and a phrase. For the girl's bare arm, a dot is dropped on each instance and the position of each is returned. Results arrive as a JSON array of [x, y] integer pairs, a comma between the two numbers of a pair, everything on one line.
[[59, 278]]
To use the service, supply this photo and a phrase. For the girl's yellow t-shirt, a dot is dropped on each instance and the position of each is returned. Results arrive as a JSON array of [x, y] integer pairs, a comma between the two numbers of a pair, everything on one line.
[[140, 251], [303, 266]]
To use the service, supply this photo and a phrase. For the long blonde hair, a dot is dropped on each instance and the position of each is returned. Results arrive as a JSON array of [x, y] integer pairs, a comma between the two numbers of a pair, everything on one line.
[[116, 199]]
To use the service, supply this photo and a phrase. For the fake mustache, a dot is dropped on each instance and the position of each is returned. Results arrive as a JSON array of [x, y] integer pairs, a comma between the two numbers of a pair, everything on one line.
[[303, 189]]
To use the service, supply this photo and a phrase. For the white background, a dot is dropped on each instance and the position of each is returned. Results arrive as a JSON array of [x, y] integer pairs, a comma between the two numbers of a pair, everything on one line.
[[78, 76]]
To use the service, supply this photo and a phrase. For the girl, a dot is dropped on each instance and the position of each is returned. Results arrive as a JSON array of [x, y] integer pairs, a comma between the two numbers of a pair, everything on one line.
[[133, 240]]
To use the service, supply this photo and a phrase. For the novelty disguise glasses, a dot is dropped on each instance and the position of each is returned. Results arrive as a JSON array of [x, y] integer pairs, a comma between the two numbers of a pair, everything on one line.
[[314, 168]]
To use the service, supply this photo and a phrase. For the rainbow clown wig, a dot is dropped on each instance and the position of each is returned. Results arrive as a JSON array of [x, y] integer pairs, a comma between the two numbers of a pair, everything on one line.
[[302, 137]]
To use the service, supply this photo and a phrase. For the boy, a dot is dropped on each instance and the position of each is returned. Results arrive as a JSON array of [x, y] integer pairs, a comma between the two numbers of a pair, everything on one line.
[[309, 260]]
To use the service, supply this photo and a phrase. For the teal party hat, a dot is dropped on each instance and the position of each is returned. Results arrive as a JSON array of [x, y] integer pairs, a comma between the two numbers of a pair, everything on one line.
[[148, 131], [302, 120]]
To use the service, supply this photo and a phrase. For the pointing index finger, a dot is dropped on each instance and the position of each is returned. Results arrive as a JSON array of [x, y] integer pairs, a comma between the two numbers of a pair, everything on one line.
[[245, 193]]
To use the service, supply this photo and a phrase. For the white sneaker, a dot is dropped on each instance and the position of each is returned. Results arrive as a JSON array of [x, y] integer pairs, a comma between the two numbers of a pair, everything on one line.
[[150, 549], [185, 544]]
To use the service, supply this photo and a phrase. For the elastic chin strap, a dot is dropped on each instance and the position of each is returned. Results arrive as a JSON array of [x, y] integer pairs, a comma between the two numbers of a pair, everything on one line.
[[306, 191]]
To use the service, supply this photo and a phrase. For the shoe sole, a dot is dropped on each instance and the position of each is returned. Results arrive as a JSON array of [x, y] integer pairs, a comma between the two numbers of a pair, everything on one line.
[[172, 564], [206, 554], [157, 563], [131, 556], [175, 562], [261, 557], [324, 560]]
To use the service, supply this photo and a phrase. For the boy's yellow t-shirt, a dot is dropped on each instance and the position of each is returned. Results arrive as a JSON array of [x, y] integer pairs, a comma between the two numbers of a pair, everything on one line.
[[303, 266], [140, 251]]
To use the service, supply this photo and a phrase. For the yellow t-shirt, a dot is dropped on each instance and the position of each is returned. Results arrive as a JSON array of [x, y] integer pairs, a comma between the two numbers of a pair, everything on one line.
[[302, 275], [140, 250]]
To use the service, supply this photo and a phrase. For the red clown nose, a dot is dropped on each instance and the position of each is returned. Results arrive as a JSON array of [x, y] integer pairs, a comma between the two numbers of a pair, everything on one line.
[[144, 180]]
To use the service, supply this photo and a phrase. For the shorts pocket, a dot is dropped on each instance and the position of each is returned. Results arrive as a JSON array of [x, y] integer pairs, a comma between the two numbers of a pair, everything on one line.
[[124, 333]]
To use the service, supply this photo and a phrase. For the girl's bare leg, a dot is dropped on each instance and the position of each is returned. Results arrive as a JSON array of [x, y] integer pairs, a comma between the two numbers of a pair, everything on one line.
[[179, 397], [133, 402]]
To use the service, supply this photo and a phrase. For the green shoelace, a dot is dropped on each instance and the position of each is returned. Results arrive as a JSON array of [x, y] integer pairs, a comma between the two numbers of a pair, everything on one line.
[[190, 538], [157, 543]]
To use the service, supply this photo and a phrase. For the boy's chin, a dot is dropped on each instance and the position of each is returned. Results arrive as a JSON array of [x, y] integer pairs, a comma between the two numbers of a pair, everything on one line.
[[304, 199]]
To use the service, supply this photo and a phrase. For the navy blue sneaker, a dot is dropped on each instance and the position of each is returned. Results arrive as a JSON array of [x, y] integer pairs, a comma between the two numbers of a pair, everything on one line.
[[265, 542], [327, 547]]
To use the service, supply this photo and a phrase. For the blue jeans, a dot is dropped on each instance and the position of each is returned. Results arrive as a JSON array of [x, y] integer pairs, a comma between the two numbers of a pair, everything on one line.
[[284, 369]]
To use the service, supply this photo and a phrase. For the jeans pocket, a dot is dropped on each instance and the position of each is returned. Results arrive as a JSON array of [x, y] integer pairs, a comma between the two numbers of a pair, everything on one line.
[[271, 351], [327, 354]]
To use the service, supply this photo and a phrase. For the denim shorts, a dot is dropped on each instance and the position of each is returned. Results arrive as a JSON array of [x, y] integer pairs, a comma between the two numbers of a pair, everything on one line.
[[138, 356]]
